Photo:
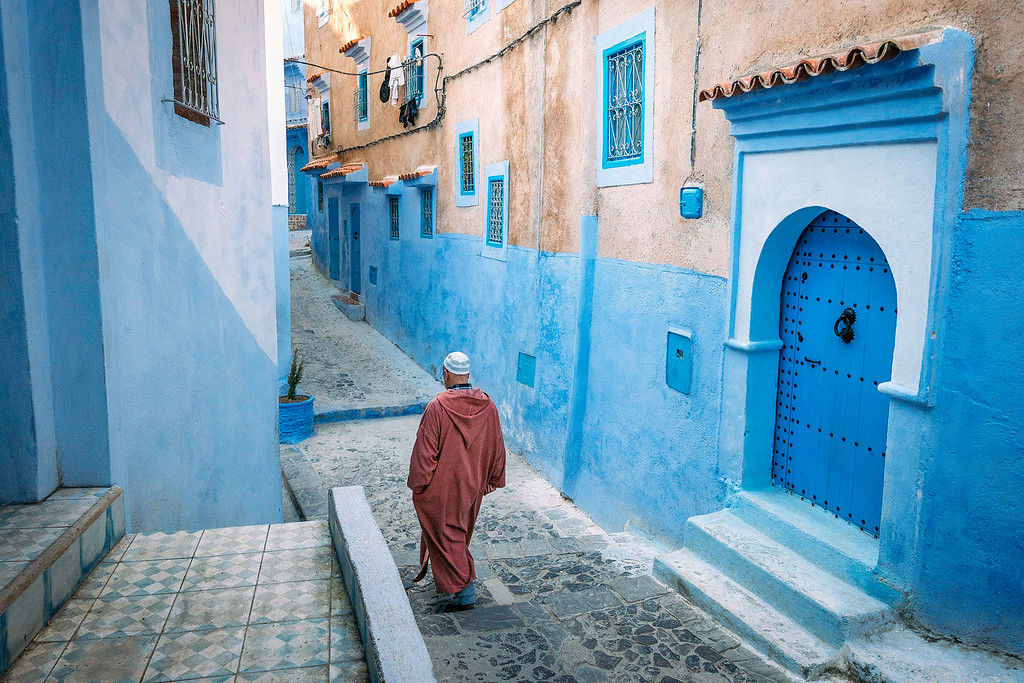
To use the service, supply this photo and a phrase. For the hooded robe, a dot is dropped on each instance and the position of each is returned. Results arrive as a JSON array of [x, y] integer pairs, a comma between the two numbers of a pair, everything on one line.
[[459, 452]]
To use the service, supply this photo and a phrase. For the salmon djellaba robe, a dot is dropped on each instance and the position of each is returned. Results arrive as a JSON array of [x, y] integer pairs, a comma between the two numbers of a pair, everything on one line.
[[459, 452]]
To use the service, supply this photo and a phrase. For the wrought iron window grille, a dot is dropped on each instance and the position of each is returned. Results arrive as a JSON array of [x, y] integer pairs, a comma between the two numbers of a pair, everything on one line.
[[427, 212], [495, 211], [466, 154], [394, 217], [414, 74], [194, 60], [473, 8], [625, 107], [359, 100]]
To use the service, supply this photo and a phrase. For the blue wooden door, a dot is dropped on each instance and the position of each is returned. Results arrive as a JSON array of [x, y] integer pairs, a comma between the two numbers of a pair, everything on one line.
[[356, 274], [333, 238], [838, 327]]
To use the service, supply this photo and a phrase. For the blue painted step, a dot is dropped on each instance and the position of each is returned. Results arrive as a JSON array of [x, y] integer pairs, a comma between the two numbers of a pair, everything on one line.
[[746, 614], [839, 548], [825, 605]]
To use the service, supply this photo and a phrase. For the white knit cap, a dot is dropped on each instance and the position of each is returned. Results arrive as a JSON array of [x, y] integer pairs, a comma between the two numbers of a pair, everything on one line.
[[457, 363]]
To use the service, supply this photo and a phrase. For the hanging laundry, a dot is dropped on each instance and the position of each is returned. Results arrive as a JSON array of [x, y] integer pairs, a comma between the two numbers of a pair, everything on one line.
[[313, 115], [385, 86], [397, 77]]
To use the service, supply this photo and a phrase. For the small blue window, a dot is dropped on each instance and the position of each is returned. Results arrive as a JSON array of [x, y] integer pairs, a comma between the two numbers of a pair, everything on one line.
[[467, 164], [475, 8], [495, 211], [325, 116], [360, 100], [427, 212], [476, 13], [393, 200], [416, 86], [624, 106]]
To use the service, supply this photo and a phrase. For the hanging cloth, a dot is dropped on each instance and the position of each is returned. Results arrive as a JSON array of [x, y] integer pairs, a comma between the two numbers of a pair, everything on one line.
[[397, 77]]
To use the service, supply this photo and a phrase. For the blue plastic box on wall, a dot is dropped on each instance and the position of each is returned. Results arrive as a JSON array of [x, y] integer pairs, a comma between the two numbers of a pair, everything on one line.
[[691, 202]]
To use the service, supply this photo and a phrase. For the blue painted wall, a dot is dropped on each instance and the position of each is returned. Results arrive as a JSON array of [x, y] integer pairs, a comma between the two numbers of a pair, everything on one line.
[[632, 433], [970, 567]]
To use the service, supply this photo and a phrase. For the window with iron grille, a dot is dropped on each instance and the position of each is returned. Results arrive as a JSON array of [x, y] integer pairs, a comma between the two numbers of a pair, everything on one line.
[[467, 163], [474, 8], [359, 101], [194, 60], [416, 85], [393, 200], [427, 212], [624, 115], [325, 115], [495, 211], [320, 195]]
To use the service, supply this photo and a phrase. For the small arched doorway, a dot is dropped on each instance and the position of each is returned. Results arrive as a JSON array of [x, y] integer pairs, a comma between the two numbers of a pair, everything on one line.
[[837, 323]]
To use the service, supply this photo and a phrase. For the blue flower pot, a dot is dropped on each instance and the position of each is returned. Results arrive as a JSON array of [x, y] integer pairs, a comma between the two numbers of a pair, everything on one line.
[[296, 421]]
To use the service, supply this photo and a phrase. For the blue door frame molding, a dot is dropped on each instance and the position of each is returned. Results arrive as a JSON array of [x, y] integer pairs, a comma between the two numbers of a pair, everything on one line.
[[844, 130]]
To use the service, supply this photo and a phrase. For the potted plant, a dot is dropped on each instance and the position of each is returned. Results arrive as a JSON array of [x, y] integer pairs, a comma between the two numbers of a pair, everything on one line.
[[295, 410]]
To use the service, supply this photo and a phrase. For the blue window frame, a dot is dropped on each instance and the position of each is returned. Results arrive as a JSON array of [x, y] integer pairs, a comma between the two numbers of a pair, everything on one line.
[[417, 86], [427, 212], [467, 165], [395, 216], [476, 12], [624, 103], [496, 211], [360, 102]]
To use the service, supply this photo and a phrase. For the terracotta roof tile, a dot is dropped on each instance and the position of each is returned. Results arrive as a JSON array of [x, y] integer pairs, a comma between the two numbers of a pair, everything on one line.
[[402, 6], [314, 76], [350, 44], [418, 173], [384, 182], [317, 163], [295, 126], [859, 55], [343, 171]]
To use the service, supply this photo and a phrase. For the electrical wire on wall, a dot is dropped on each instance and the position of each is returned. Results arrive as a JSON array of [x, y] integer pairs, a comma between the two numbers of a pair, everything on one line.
[[441, 84]]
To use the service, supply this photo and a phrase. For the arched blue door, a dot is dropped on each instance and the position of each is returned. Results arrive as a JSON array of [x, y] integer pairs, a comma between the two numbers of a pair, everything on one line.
[[298, 181], [838, 328]]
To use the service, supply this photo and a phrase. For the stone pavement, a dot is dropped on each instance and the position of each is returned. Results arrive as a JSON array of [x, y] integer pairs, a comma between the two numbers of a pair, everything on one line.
[[348, 363], [258, 603], [558, 598]]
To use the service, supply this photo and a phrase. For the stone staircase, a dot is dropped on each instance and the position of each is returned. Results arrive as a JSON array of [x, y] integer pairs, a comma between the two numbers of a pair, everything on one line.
[[789, 578]]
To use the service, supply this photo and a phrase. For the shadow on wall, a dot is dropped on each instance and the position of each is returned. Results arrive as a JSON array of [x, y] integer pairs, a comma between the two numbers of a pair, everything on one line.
[[192, 395]]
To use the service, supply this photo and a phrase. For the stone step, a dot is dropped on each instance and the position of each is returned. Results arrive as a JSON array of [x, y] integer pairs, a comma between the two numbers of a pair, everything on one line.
[[830, 608], [52, 546], [761, 625], [839, 548]]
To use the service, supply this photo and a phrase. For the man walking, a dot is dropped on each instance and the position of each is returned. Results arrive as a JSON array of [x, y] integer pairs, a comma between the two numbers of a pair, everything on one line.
[[459, 457]]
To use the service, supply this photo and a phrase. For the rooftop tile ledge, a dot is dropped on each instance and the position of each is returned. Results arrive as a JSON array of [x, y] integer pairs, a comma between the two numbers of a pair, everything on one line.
[[394, 647]]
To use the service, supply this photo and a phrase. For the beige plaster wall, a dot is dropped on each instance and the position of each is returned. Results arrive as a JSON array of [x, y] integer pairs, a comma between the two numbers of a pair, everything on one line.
[[537, 108]]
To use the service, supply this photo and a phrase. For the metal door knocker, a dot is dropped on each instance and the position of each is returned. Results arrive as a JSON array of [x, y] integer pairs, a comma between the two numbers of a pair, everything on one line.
[[844, 325]]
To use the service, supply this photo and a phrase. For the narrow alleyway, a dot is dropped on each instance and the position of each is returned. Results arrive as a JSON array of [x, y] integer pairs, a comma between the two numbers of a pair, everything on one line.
[[558, 598]]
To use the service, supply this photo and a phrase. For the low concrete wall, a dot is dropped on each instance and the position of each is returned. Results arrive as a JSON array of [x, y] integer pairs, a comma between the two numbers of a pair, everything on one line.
[[394, 647]]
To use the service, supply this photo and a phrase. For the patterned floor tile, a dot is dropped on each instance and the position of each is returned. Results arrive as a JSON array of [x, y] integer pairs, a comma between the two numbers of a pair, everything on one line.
[[62, 627], [350, 672], [285, 645], [146, 578], [292, 601], [346, 643], [298, 535], [117, 552], [197, 610], [34, 663], [239, 539], [126, 616], [78, 493], [50, 513], [96, 581], [299, 564], [196, 654], [158, 546], [25, 544], [309, 674], [9, 570], [223, 571], [110, 659]]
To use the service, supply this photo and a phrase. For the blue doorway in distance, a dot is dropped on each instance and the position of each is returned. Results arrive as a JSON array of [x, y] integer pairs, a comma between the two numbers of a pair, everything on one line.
[[356, 272], [334, 238]]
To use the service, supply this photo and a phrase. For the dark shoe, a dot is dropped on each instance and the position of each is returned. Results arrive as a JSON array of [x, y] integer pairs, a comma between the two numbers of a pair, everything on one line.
[[449, 607]]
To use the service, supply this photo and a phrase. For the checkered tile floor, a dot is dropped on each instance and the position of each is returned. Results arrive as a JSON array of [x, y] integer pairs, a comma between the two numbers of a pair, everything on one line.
[[261, 603]]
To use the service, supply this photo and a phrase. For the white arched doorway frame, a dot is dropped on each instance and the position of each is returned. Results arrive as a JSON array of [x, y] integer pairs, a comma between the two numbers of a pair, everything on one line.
[[884, 145]]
